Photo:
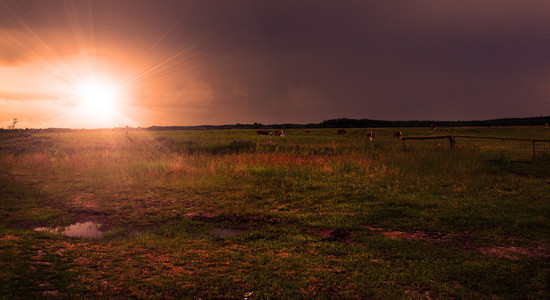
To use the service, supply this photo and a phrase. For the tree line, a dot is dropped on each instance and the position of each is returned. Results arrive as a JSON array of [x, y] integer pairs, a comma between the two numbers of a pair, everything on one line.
[[370, 123], [347, 123]]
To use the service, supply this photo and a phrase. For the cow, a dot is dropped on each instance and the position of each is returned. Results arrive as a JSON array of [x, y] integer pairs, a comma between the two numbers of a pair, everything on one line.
[[342, 132], [278, 133], [546, 125], [262, 132], [307, 131], [432, 127], [370, 135], [397, 134]]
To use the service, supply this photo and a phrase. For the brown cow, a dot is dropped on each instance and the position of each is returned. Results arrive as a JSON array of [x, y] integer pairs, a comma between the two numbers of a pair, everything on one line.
[[397, 134], [370, 135], [432, 127], [278, 133], [342, 132], [307, 131], [262, 132]]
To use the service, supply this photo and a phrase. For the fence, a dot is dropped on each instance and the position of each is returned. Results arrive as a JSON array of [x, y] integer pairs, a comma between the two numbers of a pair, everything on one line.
[[495, 148]]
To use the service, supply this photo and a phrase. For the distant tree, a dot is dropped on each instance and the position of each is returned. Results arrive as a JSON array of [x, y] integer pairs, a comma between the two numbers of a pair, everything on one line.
[[13, 122]]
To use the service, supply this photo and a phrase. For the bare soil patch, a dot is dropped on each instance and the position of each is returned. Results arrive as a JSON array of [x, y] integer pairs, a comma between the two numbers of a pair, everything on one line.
[[333, 234], [515, 252], [461, 241], [393, 234], [85, 201]]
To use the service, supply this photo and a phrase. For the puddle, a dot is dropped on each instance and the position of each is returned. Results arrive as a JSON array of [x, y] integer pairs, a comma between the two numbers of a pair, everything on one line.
[[89, 230], [224, 233]]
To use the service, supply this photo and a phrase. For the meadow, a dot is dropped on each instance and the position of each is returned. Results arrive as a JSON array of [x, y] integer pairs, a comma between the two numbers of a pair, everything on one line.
[[232, 214]]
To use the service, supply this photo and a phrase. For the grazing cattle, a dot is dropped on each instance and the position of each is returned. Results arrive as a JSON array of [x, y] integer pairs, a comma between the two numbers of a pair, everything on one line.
[[342, 132], [546, 125], [370, 135], [262, 132], [397, 134], [278, 133], [432, 127], [307, 131]]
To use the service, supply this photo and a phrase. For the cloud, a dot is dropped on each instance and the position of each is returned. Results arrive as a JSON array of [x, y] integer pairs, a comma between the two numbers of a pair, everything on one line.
[[9, 54], [29, 96], [294, 61]]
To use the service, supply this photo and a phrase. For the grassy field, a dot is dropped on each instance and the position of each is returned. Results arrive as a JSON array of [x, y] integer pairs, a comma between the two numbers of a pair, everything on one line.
[[227, 214]]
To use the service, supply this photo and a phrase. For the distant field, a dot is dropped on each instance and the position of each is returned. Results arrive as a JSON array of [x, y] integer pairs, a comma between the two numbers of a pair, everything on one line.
[[233, 214]]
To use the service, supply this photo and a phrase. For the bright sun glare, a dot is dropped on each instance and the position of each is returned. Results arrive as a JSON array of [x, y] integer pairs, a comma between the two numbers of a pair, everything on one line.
[[97, 97]]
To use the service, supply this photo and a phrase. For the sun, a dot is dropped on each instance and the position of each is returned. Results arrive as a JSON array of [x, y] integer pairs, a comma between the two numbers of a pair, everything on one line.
[[97, 102], [97, 96]]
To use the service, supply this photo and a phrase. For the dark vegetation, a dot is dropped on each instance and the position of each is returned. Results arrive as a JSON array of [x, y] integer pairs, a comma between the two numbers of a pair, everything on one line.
[[368, 123], [355, 123]]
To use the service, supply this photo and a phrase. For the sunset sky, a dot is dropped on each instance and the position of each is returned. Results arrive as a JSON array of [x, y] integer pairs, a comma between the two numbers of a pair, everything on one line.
[[104, 63]]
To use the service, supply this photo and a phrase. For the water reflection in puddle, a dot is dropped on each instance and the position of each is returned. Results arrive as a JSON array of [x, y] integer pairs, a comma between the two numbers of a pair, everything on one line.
[[89, 230]]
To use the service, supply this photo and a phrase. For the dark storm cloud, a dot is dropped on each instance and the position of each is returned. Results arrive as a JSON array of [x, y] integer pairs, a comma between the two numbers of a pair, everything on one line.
[[305, 61], [418, 59]]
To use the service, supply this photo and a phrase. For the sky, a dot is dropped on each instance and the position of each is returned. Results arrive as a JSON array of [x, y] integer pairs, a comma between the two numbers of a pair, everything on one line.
[[102, 63]]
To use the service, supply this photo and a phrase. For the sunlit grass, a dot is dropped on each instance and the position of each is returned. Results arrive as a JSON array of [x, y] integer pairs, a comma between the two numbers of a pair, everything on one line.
[[312, 215]]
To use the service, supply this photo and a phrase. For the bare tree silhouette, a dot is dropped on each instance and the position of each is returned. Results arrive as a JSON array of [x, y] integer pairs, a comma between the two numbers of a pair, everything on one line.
[[13, 122]]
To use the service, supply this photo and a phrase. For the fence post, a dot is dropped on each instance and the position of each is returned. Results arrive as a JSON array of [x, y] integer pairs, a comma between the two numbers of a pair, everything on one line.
[[451, 142], [533, 150]]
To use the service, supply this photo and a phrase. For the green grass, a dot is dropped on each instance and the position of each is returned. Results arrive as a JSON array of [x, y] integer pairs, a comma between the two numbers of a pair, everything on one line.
[[229, 214]]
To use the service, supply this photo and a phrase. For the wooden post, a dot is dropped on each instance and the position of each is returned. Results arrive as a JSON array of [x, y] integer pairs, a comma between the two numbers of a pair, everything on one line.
[[451, 142], [533, 150]]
